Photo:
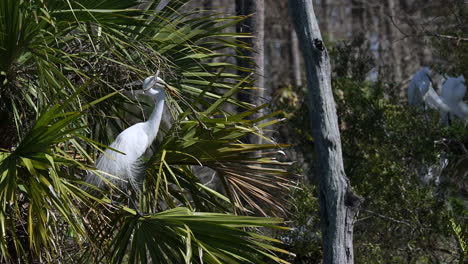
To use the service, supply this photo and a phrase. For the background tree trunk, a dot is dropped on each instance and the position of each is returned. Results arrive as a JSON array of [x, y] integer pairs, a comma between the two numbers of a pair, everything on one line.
[[296, 60], [245, 8], [254, 25], [259, 58], [338, 205]]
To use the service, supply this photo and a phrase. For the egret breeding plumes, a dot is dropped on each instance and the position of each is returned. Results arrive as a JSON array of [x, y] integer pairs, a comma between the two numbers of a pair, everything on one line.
[[453, 91], [126, 166]]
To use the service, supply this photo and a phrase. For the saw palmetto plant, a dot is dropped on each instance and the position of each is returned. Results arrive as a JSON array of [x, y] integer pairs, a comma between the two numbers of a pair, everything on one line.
[[67, 71]]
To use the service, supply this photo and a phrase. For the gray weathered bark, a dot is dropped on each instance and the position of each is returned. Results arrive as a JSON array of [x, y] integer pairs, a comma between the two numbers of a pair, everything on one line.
[[338, 205]]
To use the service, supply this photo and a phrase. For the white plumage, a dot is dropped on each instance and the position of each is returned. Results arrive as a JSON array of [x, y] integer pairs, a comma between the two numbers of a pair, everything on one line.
[[420, 91], [420, 84], [121, 168], [453, 91], [449, 102]]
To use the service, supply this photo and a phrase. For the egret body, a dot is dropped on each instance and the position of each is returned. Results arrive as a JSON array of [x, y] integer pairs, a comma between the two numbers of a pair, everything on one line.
[[120, 168], [419, 86], [420, 91], [453, 91]]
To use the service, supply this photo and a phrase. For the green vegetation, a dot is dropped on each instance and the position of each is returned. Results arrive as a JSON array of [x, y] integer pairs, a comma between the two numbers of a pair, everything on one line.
[[67, 72], [66, 69], [406, 165]]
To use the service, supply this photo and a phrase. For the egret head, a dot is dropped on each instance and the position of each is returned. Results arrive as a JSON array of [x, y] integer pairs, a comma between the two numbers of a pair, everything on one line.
[[149, 82], [154, 85]]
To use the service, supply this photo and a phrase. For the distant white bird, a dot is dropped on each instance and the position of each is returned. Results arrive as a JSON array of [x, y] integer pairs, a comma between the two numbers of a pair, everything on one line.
[[419, 86], [121, 168], [420, 91], [453, 91]]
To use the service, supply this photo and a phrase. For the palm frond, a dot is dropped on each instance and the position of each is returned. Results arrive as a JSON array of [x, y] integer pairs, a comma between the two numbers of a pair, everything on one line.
[[182, 236], [40, 202], [74, 55], [255, 182]]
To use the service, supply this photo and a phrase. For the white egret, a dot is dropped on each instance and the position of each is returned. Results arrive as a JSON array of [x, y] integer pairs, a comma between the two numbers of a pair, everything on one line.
[[120, 168], [419, 86], [453, 91], [420, 91]]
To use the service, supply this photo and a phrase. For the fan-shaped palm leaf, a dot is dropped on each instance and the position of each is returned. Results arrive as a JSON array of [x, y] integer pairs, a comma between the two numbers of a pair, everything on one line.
[[50, 51]]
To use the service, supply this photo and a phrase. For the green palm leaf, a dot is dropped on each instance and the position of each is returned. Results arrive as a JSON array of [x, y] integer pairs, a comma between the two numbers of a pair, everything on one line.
[[34, 196], [257, 181], [182, 236], [74, 55]]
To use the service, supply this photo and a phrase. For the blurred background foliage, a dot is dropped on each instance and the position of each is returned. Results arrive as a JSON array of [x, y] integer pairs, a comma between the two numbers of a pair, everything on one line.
[[402, 160], [411, 170]]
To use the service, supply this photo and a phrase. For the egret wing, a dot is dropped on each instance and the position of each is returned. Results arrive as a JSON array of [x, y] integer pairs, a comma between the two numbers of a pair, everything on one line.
[[432, 99], [461, 110], [125, 166]]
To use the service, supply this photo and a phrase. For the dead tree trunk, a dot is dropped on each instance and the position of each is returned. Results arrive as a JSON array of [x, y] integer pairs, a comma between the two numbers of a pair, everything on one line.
[[338, 205]]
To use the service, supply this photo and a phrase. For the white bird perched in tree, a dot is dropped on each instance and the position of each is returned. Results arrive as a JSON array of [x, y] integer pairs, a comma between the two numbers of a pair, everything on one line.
[[120, 168], [419, 86], [420, 91], [453, 91]]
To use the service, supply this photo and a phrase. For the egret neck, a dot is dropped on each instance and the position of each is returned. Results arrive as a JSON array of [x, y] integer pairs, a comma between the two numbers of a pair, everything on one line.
[[152, 124]]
